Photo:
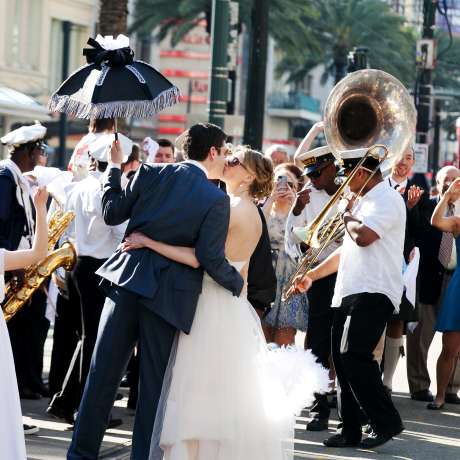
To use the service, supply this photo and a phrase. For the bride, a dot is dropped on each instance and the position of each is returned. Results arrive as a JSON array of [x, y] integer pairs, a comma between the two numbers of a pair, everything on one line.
[[224, 397], [11, 430]]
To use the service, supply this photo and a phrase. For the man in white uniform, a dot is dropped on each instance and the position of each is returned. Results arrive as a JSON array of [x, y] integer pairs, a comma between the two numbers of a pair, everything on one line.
[[95, 241], [321, 171]]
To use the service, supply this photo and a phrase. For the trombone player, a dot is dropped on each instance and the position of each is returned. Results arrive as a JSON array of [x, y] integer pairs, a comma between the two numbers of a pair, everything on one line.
[[368, 290], [320, 168]]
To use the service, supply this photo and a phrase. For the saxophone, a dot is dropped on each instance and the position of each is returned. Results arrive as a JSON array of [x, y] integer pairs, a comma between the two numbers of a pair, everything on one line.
[[36, 274]]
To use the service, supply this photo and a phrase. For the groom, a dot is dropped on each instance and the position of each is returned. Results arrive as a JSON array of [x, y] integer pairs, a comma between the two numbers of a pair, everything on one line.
[[150, 297]]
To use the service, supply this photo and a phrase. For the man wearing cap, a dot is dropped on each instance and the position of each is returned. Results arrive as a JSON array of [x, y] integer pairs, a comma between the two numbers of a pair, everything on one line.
[[368, 290], [26, 148], [321, 170], [95, 241]]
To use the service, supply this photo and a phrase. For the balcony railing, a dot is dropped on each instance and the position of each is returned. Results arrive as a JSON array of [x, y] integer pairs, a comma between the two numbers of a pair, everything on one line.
[[294, 101]]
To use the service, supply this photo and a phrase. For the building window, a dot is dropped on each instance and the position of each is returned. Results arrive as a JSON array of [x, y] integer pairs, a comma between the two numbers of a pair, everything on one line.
[[23, 34], [304, 86], [78, 37]]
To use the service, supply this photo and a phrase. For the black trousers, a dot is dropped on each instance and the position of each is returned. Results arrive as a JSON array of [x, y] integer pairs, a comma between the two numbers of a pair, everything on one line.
[[28, 330], [319, 328], [91, 303], [67, 332], [357, 327]]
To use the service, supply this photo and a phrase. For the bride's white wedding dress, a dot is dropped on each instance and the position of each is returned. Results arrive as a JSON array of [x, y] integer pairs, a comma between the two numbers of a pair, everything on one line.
[[225, 396], [12, 442]]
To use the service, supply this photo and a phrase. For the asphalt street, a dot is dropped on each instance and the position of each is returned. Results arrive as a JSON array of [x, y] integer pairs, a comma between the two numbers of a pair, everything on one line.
[[429, 435]]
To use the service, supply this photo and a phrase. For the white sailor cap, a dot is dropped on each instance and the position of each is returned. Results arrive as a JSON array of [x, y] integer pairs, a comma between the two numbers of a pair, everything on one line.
[[313, 159], [350, 158], [99, 148], [24, 135]]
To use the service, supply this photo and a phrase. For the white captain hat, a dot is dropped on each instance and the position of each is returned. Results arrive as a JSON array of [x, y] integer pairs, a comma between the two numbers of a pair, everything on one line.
[[350, 158], [314, 159], [31, 134]]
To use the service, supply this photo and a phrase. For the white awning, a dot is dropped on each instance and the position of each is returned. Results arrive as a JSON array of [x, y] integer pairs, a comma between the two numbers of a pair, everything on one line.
[[16, 104]]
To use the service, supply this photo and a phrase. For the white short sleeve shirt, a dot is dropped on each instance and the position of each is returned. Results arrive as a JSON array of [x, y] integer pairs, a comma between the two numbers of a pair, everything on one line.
[[376, 268]]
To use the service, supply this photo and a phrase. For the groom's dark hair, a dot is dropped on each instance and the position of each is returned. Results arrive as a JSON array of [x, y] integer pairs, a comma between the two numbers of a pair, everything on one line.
[[200, 138]]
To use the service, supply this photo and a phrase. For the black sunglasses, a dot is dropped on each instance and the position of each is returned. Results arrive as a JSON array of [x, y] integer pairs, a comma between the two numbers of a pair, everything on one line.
[[42, 149], [235, 161], [317, 172]]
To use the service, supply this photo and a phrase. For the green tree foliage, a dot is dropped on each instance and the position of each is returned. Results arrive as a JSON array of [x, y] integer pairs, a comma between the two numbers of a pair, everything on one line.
[[341, 25], [289, 20]]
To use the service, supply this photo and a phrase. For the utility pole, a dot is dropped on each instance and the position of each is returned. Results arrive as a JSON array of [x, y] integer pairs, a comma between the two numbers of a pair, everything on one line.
[[255, 94], [218, 95], [426, 62], [66, 29]]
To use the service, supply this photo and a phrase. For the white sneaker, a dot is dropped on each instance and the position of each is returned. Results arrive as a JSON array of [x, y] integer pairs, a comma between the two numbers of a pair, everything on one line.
[[30, 429]]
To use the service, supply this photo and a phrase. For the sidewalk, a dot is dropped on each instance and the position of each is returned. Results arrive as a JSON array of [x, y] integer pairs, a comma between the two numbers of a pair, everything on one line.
[[429, 435]]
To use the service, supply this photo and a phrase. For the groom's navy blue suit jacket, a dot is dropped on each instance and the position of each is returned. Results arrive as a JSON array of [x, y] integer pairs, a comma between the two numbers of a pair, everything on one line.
[[175, 204]]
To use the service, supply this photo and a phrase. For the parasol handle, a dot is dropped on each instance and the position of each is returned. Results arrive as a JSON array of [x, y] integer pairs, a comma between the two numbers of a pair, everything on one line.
[[115, 125]]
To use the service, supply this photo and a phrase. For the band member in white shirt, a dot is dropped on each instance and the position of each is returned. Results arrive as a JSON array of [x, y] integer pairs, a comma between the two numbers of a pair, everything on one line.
[[321, 171], [368, 290], [95, 241]]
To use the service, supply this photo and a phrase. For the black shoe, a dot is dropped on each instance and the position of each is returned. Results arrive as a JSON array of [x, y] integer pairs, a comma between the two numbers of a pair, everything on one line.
[[375, 440], [339, 440], [59, 412], [422, 395], [434, 406], [30, 429], [27, 393], [452, 398], [318, 424], [114, 422]]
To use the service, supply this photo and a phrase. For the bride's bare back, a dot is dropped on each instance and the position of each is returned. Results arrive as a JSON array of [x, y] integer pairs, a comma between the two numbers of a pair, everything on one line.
[[244, 231]]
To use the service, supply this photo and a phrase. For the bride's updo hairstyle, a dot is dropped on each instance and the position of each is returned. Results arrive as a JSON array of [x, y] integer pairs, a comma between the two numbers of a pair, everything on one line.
[[262, 168]]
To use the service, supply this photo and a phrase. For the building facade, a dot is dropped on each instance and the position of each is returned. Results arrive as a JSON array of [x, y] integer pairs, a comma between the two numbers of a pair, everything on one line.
[[31, 52]]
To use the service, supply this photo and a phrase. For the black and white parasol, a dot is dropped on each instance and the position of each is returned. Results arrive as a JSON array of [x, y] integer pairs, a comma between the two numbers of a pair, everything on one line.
[[113, 84]]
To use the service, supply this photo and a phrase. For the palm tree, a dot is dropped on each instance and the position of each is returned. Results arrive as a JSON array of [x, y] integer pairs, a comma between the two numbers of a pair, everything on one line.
[[113, 15], [342, 25], [288, 20]]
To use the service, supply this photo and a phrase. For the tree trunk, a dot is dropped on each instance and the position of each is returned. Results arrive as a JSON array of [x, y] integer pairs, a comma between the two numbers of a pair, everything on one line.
[[340, 62], [113, 17], [255, 93], [113, 20]]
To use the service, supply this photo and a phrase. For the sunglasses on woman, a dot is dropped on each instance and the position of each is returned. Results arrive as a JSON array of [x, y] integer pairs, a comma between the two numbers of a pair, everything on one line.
[[235, 161]]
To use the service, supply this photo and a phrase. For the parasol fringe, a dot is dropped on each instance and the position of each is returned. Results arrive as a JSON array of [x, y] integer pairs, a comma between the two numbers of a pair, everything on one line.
[[117, 109]]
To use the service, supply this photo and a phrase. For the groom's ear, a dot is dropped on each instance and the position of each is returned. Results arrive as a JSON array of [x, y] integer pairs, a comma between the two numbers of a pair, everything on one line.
[[212, 153]]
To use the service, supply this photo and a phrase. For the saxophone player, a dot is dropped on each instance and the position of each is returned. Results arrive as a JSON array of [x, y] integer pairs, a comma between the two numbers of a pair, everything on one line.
[[26, 149], [368, 290], [321, 171]]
